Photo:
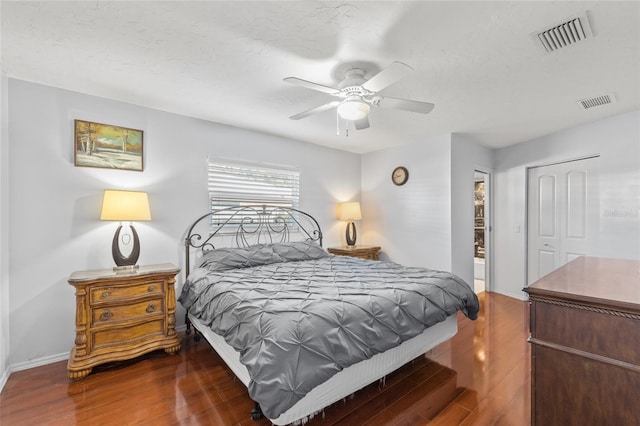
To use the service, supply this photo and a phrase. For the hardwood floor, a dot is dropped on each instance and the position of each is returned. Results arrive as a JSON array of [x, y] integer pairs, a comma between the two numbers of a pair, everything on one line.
[[480, 377]]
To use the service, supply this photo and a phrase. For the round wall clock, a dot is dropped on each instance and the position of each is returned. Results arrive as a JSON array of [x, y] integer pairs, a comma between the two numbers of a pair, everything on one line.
[[400, 175]]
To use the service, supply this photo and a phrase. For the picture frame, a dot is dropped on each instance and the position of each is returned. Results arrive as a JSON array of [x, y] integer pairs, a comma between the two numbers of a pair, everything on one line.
[[108, 146]]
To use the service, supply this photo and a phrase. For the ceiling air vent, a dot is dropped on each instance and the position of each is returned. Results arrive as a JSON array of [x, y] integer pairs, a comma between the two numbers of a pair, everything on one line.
[[565, 34], [596, 101]]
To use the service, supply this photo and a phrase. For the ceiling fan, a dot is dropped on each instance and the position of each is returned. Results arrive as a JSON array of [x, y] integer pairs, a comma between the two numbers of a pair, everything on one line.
[[357, 95]]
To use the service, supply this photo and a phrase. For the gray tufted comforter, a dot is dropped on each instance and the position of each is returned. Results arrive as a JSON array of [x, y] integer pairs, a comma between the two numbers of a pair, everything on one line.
[[297, 315]]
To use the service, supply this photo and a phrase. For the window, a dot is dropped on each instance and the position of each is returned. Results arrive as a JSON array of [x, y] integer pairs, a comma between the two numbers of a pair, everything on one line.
[[232, 185]]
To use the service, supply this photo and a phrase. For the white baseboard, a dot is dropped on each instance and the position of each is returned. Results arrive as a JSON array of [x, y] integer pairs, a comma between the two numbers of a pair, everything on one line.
[[47, 360], [44, 361], [38, 362], [520, 295], [3, 379], [30, 364]]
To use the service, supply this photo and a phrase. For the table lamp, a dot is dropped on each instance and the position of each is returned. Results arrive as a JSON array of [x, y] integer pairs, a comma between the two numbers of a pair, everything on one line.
[[125, 206], [350, 212]]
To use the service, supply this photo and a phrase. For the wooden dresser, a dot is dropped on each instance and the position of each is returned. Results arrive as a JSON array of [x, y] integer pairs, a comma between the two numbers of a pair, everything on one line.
[[585, 344], [363, 252], [122, 315]]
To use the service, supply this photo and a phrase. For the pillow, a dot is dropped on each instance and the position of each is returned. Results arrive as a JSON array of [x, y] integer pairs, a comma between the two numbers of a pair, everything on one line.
[[299, 250], [224, 259], [261, 254]]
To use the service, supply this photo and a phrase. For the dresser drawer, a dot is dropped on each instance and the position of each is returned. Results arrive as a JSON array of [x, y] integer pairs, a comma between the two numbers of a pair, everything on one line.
[[129, 312], [125, 336], [587, 329], [110, 293]]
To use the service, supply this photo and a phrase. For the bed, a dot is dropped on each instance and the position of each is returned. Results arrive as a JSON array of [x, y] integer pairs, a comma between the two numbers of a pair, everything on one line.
[[301, 328]]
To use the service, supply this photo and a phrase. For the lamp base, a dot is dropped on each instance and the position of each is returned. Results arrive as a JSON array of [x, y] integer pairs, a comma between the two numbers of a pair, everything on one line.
[[350, 234], [125, 269], [125, 262]]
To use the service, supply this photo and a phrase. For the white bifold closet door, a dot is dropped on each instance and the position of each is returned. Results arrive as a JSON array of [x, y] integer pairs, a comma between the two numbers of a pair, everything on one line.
[[563, 211]]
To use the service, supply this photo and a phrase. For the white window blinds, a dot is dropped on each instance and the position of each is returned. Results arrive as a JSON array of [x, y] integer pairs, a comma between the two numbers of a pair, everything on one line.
[[241, 184]]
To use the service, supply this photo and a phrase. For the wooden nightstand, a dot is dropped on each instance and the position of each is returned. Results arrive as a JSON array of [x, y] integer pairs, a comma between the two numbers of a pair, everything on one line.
[[122, 315], [363, 252]]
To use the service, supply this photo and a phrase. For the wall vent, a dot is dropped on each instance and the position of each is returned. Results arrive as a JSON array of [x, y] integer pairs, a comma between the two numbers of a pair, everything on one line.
[[565, 34], [596, 101]]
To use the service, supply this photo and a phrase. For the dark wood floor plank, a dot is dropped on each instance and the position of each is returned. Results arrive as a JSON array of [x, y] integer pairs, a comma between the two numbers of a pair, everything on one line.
[[422, 402], [485, 368], [454, 414]]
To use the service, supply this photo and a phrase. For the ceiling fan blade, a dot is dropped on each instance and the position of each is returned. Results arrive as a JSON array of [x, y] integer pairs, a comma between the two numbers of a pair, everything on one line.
[[361, 124], [387, 76], [315, 110], [405, 104], [311, 85]]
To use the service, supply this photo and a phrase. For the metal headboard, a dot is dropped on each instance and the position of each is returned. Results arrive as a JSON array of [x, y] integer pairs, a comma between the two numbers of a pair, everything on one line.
[[248, 225]]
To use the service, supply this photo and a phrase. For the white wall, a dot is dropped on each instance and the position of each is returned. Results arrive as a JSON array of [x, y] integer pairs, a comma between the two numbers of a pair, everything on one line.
[[466, 157], [428, 221], [412, 223], [54, 206], [617, 141], [4, 231]]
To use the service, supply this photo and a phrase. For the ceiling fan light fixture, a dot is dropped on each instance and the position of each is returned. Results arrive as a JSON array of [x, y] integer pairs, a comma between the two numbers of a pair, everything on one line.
[[357, 95], [353, 110]]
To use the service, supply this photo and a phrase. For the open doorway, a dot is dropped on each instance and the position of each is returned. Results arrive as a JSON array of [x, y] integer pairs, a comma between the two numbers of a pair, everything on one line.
[[481, 231]]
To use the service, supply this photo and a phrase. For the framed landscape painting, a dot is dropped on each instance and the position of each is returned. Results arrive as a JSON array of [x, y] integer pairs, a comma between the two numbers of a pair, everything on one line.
[[107, 146]]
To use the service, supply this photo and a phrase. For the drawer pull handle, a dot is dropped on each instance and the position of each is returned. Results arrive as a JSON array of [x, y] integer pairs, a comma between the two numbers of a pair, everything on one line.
[[151, 308], [106, 294], [151, 288], [106, 315]]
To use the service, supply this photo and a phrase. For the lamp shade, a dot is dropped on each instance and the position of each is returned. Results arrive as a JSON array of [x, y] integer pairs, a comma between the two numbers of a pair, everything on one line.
[[349, 211], [125, 206]]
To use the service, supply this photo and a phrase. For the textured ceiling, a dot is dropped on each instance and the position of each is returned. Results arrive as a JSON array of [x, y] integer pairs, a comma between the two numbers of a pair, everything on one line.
[[224, 61]]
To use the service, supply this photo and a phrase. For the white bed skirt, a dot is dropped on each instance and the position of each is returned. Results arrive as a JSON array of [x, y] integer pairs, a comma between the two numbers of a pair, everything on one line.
[[348, 380]]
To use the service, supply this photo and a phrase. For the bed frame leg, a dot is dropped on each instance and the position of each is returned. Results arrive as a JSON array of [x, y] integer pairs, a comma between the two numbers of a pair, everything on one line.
[[196, 333], [187, 323], [256, 413]]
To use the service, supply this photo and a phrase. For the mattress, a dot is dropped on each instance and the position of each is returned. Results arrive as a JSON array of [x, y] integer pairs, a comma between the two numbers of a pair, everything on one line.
[[349, 379]]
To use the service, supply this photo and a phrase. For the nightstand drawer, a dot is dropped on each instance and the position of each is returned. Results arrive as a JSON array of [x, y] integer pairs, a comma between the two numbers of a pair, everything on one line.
[[370, 256], [363, 252], [130, 312], [111, 293], [125, 336]]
